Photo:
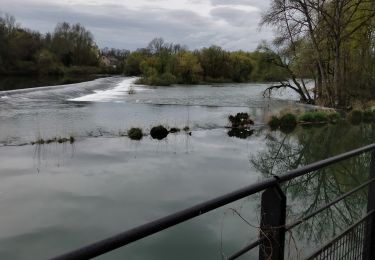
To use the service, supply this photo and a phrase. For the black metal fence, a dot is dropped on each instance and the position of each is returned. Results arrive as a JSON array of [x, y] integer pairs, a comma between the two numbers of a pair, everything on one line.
[[357, 242]]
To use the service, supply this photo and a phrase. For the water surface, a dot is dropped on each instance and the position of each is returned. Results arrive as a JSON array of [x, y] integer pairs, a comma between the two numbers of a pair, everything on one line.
[[57, 197]]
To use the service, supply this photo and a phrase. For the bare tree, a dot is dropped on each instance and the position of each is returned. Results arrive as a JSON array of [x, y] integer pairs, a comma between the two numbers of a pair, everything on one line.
[[327, 25]]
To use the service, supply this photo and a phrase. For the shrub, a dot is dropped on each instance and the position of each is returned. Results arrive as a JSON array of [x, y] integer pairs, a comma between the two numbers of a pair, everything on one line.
[[159, 132], [369, 116], [174, 130], [288, 122], [274, 123], [315, 117], [240, 120], [355, 117], [321, 117], [333, 117], [135, 134]]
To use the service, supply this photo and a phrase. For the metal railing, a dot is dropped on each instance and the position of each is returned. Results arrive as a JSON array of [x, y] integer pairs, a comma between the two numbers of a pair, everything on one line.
[[357, 240]]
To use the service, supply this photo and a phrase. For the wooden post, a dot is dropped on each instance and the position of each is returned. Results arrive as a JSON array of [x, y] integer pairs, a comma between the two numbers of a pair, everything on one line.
[[272, 224]]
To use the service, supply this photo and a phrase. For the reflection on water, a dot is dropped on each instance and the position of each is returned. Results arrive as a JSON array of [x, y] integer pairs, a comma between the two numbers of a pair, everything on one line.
[[56, 197], [242, 133], [308, 193]]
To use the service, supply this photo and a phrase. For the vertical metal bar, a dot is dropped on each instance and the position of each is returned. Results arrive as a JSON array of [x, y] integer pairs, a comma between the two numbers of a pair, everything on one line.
[[370, 229], [272, 224]]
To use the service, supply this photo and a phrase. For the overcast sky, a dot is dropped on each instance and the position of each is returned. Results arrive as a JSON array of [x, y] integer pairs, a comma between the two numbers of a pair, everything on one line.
[[130, 24]]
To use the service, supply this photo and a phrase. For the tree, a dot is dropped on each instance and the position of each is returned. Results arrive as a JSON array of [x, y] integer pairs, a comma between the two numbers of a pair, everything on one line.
[[327, 26], [74, 45]]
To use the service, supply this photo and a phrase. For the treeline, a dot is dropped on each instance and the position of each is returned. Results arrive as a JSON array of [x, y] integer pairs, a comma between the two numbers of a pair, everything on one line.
[[68, 49], [164, 63], [71, 49], [332, 42]]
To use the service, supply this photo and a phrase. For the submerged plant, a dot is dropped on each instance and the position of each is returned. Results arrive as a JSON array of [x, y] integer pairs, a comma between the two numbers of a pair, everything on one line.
[[174, 130], [334, 117], [241, 133], [274, 123], [355, 117], [320, 117], [240, 120], [369, 116], [288, 122], [135, 134], [159, 132]]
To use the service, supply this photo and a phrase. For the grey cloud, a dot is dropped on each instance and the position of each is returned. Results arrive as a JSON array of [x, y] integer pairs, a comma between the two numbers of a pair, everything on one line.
[[236, 17], [121, 27], [261, 4]]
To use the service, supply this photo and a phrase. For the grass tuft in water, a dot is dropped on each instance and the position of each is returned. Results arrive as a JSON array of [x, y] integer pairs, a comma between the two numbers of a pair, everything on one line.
[[159, 132], [355, 117], [288, 122], [240, 120], [135, 133], [274, 123], [174, 130]]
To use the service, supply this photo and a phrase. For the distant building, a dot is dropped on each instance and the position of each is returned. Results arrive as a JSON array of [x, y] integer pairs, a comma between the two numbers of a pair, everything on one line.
[[108, 61]]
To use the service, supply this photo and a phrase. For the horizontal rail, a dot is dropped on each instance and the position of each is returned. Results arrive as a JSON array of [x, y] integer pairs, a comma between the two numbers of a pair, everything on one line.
[[246, 249], [303, 219], [327, 245], [132, 235]]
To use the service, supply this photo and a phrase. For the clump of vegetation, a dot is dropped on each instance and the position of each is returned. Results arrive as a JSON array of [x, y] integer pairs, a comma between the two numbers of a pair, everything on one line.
[[333, 117], [39, 141], [240, 120], [135, 133], [288, 122], [50, 141], [369, 116], [274, 123], [355, 117], [186, 129], [159, 132], [174, 130], [317, 117], [241, 133], [59, 140], [62, 140], [131, 90]]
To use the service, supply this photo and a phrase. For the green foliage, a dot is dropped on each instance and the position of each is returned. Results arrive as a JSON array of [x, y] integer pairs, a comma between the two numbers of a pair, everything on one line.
[[315, 117], [240, 120], [159, 132], [135, 134], [48, 64], [174, 130], [74, 45], [355, 117], [334, 117], [23, 51], [165, 64], [288, 122], [369, 116], [274, 123]]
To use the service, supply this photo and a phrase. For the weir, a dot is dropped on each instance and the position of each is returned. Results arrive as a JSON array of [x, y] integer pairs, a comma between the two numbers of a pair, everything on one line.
[[356, 242]]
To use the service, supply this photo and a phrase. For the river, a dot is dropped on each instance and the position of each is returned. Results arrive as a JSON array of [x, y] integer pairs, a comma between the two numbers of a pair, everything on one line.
[[56, 197]]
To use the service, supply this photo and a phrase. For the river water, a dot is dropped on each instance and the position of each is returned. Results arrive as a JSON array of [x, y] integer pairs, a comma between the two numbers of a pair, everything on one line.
[[56, 197]]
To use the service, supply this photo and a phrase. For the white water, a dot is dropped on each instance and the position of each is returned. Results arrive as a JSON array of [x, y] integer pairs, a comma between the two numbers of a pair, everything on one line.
[[120, 90]]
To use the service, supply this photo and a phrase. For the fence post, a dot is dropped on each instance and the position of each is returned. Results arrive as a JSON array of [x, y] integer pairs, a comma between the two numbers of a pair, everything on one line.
[[272, 224], [369, 243]]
